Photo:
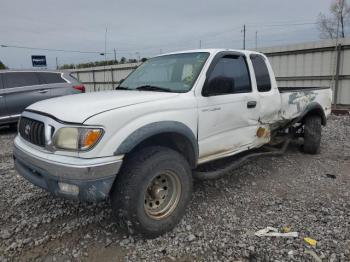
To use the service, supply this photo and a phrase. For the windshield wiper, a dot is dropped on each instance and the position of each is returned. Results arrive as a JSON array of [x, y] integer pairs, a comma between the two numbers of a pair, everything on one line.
[[153, 88], [122, 88]]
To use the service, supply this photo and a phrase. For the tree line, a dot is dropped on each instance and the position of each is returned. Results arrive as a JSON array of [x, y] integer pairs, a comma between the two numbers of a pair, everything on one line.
[[2, 66], [123, 60]]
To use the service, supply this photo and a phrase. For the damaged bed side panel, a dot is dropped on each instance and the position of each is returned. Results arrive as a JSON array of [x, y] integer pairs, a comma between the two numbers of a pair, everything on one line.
[[295, 102]]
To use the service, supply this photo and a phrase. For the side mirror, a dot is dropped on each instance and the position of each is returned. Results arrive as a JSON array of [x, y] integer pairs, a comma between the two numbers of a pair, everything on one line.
[[218, 86], [206, 89]]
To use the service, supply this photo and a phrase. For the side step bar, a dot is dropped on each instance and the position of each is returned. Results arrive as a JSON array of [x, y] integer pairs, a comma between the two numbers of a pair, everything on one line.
[[220, 172]]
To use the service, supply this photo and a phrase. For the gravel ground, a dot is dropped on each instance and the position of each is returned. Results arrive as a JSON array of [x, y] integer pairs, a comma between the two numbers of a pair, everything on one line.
[[309, 194]]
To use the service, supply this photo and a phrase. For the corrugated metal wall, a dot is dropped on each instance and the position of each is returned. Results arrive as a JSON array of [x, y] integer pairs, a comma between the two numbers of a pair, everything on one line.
[[314, 64], [306, 64], [103, 77]]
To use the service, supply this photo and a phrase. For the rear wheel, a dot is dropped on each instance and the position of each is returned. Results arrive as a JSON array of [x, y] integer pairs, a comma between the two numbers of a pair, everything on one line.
[[312, 134], [152, 191]]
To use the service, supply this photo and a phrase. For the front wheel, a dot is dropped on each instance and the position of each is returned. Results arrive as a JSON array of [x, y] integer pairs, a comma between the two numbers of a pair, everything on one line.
[[152, 191], [312, 134]]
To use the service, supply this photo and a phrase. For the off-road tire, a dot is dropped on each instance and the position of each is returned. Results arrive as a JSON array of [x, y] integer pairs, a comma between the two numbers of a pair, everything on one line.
[[128, 194], [312, 134]]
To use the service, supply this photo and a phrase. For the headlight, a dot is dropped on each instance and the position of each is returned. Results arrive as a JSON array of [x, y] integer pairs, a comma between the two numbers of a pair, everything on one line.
[[77, 138]]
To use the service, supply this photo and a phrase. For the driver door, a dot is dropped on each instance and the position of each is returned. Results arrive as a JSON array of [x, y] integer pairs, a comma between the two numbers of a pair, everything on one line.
[[227, 109]]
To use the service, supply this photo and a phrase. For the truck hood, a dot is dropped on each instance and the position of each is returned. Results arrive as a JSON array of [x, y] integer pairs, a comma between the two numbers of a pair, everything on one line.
[[77, 108]]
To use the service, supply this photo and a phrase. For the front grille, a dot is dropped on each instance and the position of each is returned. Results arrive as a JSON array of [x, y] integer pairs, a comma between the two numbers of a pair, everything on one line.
[[32, 130]]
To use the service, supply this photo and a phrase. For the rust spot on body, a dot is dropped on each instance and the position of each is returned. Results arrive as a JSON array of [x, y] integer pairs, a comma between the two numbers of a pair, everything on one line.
[[262, 132]]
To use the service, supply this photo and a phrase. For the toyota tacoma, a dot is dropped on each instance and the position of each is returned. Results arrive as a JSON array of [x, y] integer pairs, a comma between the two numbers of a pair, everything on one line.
[[171, 120]]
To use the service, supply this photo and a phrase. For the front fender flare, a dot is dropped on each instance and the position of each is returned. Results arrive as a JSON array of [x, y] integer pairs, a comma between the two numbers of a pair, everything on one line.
[[149, 130]]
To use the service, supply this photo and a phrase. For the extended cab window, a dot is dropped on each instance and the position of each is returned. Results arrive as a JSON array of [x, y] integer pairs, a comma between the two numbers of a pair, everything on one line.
[[262, 75], [229, 76], [51, 78], [19, 79]]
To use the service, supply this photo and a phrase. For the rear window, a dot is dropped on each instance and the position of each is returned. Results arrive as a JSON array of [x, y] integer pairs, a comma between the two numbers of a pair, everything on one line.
[[19, 79], [51, 78], [262, 75], [1, 85]]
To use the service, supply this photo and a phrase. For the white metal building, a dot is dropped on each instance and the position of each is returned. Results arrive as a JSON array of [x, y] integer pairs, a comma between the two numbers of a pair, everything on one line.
[[322, 63]]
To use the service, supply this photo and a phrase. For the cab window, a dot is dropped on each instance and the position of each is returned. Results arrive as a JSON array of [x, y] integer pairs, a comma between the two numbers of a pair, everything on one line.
[[262, 75]]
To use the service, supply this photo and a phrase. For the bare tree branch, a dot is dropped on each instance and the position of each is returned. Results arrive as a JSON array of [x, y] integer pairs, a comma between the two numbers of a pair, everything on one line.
[[337, 23]]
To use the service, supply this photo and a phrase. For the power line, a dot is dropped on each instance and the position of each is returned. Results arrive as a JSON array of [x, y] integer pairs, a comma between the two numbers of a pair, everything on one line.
[[291, 24], [50, 49], [212, 34], [60, 50], [167, 45]]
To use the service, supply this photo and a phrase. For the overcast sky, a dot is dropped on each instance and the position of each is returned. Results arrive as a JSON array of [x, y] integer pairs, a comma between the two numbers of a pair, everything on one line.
[[148, 27]]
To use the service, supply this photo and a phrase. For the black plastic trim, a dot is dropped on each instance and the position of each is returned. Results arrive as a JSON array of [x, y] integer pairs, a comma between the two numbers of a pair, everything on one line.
[[157, 128], [316, 108], [283, 89], [53, 117]]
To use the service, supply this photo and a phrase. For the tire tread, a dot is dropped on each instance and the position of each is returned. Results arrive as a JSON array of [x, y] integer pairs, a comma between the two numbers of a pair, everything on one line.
[[312, 134], [128, 182]]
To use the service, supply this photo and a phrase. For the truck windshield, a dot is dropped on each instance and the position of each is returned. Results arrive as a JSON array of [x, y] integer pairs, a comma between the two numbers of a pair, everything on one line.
[[170, 73]]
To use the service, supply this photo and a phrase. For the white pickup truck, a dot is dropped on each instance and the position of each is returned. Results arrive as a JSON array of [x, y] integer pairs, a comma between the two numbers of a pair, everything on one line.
[[141, 145]]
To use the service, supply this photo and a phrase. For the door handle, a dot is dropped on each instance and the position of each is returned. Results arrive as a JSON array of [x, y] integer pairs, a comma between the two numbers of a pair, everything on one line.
[[43, 91], [251, 104]]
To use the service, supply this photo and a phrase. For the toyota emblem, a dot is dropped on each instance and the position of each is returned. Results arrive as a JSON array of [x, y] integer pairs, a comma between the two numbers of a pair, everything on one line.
[[27, 130]]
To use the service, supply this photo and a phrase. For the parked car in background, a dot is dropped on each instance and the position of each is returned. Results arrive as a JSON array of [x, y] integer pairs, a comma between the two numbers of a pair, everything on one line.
[[19, 89]]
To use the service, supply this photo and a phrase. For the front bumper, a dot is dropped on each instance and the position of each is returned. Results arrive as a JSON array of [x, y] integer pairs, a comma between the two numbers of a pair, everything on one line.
[[93, 177]]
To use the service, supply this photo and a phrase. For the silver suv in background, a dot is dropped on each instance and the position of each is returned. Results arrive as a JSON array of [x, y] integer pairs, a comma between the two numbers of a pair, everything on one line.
[[19, 89]]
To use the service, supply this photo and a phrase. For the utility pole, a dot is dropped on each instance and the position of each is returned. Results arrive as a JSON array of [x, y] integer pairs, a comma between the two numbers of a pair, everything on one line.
[[200, 44], [105, 63], [256, 40], [244, 37], [337, 63], [56, 63], [106, 45], [115, 56]]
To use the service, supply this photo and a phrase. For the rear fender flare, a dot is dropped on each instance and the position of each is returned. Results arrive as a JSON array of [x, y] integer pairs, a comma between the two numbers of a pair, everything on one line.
[[315, 109]]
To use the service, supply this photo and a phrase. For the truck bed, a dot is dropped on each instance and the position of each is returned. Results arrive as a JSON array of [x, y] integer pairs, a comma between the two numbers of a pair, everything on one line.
[[294, 100]]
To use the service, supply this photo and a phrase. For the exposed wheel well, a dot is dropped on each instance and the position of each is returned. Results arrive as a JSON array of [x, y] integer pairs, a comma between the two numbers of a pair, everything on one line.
[[318, 112], [174, 141]]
